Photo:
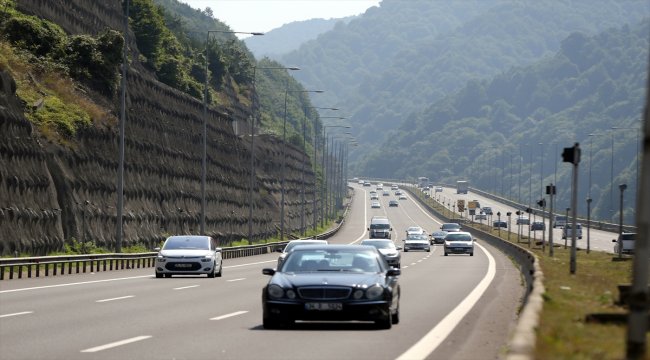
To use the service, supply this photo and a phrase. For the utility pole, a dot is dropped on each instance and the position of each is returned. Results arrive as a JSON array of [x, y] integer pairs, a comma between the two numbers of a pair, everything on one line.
[[572, 155], [637, 325], [550, 191]]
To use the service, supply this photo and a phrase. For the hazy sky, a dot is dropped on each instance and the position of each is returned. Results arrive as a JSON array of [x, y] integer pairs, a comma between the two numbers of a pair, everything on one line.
[[266, 15]]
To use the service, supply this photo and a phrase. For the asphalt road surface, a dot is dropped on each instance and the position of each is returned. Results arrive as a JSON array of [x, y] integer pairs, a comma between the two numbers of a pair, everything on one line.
[[454, 307]]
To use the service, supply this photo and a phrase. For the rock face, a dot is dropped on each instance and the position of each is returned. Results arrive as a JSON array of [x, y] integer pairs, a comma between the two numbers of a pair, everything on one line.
[[50, 194]]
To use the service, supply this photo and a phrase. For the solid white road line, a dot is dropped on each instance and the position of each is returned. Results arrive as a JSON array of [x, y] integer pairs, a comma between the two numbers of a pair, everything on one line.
[[439, 333], [117, 343], [232, 280], [186, 287], [229, 315], [117, 298], [73, 284], [365, 218], [16, 314]]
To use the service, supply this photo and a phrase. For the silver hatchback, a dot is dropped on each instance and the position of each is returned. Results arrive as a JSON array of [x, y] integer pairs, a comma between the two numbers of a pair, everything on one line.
[[189, 255]]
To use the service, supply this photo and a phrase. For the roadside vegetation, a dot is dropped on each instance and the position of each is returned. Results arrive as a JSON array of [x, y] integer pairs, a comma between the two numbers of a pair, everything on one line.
[[564, 332]]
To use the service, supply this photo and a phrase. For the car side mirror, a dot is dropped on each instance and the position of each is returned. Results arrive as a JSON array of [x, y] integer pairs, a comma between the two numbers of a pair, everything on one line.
[[268, 271], [278, 249], [218, 250], [156, 249], [391, 229], [368, 229], [614, 240], [398, 247], [393, 272]]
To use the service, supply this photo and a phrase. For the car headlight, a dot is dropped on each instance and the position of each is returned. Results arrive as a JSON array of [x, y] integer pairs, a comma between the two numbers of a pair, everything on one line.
[[161, 258], [374, 292], [275, 291], [207, 258], [358, 294]]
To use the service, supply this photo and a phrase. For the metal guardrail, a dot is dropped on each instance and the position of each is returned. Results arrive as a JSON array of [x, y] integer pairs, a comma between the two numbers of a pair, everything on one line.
[[38, 266], [600, 225], [594, 224]]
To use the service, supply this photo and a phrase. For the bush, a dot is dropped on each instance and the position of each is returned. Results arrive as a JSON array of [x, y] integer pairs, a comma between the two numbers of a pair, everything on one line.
[[37, 36]]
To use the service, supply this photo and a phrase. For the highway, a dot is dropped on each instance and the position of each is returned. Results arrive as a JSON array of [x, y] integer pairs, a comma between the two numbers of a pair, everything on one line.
[[599, 240], [455, 307]]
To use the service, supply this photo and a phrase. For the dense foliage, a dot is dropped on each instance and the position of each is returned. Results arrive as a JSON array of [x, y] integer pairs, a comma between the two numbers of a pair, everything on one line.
[[93, 60], [229, 58], [399, 58], [502, 133]]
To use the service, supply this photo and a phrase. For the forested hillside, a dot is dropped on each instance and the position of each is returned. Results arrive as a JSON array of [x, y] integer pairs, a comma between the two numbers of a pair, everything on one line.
[[495, 133], [402, 56], [289, 37]]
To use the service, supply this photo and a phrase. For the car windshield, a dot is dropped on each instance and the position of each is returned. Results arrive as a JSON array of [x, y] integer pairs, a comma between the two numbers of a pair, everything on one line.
[[379, 244], [380, 226], [308, 260], [187, 243], [416, 237], [440, 233], [414, 228], [458, 237]]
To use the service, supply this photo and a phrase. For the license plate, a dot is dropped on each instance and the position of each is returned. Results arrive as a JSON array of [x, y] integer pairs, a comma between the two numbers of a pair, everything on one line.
[[183, 265], [324, 306]]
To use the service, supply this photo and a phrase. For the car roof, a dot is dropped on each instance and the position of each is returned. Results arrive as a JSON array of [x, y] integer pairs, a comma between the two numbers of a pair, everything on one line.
[[379, 240]]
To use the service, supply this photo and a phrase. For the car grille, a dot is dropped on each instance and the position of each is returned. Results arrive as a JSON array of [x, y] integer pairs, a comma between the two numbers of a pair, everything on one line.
[[182, 266], [324, 293]]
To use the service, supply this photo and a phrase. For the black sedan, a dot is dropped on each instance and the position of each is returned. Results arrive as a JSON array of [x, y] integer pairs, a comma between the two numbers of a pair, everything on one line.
[[438, 237], [332, 283]]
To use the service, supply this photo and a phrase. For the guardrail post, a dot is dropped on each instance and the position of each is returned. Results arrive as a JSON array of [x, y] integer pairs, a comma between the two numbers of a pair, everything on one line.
[[29, 271], [20, 272], [38, 270]]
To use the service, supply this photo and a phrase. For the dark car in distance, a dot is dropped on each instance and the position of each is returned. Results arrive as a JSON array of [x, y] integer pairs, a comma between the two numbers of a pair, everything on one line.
[[499, 224], [332, 283], [537, 225], [438, 237]]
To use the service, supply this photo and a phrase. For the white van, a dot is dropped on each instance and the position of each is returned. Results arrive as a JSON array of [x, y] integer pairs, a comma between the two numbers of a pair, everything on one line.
[[559, 221], [627, 240], [567, 233]]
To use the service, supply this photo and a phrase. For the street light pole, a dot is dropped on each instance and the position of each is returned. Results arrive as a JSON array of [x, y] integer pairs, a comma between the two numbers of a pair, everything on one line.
[[284, 160], [120, 169], [622, 187], [205, 122], [325, 170]]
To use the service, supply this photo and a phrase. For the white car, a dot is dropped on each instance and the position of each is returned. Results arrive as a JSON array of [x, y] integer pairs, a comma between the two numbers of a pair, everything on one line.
[[292, 244], [523, 220], [375, 205], [459, 242], [388, 250], [189, 255], [417, 242], [403, 197], [567, 232], [415, 230]]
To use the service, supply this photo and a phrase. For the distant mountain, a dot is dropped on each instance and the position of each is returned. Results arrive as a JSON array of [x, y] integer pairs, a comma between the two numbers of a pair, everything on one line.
[[506, 131], [403, 56], [289, 37]]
